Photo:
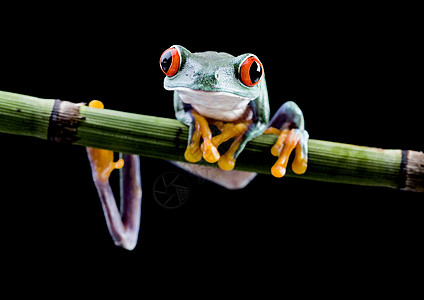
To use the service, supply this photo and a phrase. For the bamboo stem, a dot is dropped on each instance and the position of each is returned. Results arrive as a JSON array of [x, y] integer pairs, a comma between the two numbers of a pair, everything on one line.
[[163, 138]]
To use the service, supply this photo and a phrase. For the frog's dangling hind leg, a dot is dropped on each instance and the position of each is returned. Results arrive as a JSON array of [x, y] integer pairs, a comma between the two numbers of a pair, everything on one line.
[[123, 224], [288, 123]]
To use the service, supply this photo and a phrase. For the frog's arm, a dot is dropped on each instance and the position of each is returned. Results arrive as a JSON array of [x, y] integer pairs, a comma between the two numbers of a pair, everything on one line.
[[241, 132], [260, 108], [123, 224], [182, 113], [198, 128]]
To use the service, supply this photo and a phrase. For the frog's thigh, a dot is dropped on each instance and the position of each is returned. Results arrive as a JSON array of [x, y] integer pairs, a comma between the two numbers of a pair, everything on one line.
[[229, 179], [288, 115]]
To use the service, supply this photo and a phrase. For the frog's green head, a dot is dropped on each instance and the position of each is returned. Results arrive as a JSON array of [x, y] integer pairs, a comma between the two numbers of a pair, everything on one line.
[[236, 77]]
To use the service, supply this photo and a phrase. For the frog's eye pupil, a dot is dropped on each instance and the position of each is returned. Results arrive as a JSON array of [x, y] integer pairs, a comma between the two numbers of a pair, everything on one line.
[[166, 61], [170, 61], [255, 72], [251, 71]]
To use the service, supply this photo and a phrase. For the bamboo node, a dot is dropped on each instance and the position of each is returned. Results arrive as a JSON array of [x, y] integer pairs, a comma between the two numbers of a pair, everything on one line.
[[64, 122], [413, 162]]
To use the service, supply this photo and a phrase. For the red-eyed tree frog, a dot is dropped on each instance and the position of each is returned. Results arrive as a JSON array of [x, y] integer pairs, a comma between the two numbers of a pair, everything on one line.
[[224, 101]]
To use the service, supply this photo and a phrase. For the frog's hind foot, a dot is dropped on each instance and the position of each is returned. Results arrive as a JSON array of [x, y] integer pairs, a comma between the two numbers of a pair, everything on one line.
[[123, 225], [288, 140], [288, 124]]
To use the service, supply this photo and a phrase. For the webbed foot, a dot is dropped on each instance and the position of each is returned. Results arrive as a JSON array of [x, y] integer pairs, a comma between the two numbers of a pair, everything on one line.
[[288, 140], [123, 225], [288, 124], [196, 150], [209, 147], [229, 131], [102, 160], [207, 150]]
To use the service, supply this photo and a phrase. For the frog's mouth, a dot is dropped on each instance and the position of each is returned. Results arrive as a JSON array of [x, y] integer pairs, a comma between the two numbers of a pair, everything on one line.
[[217, 105]]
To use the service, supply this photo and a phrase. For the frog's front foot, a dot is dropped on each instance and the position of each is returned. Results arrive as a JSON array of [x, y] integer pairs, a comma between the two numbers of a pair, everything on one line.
[[209, 147], [207, 150], [289, 125], [233, 131]]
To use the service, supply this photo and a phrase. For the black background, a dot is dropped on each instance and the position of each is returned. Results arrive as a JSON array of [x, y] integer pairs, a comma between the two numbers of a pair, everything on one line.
[[357, 78]]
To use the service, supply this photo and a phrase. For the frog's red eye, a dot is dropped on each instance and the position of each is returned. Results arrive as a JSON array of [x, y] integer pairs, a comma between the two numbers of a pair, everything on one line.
[[170, 61], [251, 71]]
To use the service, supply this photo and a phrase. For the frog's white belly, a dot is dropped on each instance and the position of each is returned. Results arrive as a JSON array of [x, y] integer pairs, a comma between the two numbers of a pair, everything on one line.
[[217, 105]]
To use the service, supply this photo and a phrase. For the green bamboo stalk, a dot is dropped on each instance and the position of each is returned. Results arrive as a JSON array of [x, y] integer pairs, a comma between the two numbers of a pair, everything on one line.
[[150, 136]]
